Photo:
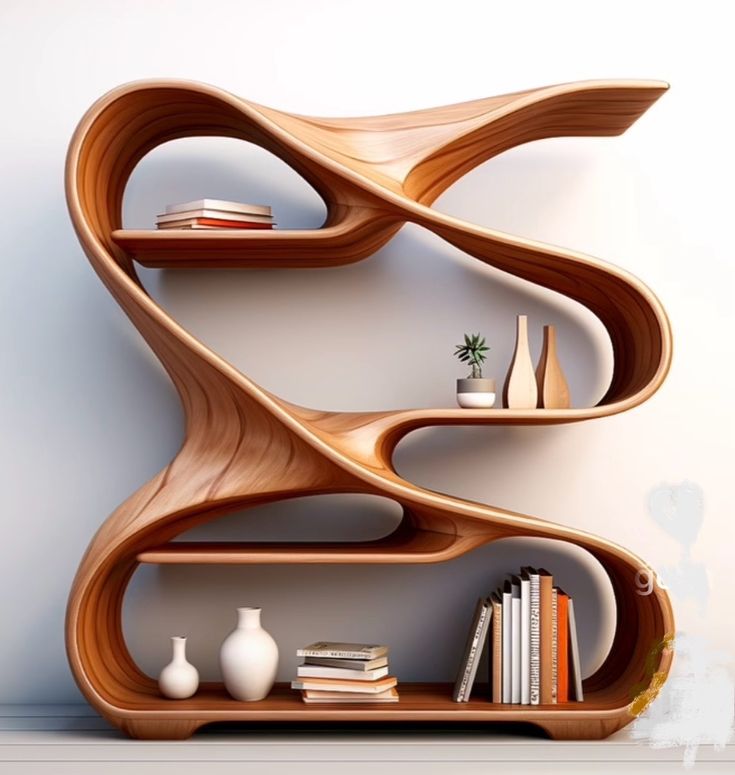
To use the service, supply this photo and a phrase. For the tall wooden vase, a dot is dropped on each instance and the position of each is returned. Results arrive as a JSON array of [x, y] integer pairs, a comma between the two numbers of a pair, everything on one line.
[[520, 391], [553, 391]]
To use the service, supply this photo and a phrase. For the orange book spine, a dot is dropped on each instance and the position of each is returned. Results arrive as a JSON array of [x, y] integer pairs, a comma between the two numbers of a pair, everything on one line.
[[547, 637], [231, 224], [562, 612], [496, 662]]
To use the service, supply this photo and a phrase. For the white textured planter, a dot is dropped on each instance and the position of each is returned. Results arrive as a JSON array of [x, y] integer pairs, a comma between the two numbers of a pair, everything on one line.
[[179, 679], [248, 658], [476, 393]]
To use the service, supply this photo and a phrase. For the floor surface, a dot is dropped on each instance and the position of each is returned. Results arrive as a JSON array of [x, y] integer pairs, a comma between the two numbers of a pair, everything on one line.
[[63, 739]]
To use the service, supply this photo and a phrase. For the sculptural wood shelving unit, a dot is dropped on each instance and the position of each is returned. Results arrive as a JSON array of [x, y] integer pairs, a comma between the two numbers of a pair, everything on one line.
[[245, 446]]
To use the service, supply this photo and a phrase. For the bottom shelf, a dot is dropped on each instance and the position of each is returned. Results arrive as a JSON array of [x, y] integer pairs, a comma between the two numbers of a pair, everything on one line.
[[417, 700], [150, 716]]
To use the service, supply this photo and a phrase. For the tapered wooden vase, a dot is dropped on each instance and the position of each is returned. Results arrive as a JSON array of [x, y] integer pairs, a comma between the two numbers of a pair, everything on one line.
[[519, 391], [553, 390]]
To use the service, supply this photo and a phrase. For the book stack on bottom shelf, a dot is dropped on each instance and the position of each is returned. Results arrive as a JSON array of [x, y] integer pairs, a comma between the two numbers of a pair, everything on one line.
[[534, 652], [345, 673]]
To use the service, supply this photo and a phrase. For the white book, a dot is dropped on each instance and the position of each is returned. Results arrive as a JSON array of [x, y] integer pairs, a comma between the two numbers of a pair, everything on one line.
[[219, 204], [515, 672], [349, 664], [525, 639], [507, 642], [326, 649], [535, 647], [345, 697], [575, 676], [315, 671], [219, 214]]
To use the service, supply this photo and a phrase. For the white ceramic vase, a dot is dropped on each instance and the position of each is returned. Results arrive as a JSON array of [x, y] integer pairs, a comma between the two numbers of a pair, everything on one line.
[[249, 658], [179, 679]]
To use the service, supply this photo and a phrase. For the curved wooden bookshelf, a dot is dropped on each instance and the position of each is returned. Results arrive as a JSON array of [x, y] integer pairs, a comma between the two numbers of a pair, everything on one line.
[[245, 446]]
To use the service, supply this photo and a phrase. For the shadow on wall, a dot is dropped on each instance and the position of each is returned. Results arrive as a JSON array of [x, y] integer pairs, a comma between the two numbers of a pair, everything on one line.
[[421, 611]]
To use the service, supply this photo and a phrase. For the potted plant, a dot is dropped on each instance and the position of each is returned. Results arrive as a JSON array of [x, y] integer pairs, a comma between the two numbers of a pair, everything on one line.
[[474, 391]]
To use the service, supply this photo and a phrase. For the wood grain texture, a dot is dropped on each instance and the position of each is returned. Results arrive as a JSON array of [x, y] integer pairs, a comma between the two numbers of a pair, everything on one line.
[[245, 446], [553, 390]]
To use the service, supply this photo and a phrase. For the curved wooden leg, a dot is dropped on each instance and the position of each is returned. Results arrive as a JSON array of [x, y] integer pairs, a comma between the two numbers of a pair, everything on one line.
[[163, 729], [581, 729]]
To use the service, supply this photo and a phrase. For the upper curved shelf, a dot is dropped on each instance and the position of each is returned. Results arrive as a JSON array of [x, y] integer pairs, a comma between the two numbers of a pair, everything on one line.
[[233, 249]]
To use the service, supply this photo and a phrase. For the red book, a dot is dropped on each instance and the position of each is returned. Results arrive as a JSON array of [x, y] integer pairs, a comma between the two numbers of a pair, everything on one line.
[[218, 223], [562, 630]]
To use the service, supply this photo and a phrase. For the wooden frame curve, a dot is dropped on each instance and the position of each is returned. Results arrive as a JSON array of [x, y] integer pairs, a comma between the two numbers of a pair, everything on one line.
[[245, 446]]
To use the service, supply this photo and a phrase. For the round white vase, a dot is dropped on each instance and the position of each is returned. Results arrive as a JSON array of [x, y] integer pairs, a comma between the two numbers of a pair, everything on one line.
[[476, 393], [248, 658], [179, 679]]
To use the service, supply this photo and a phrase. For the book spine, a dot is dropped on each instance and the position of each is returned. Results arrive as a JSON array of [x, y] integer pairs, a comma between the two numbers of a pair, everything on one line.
[[507, 646], [332, 654], [515, 673], [478, 641], [576, 668], [312, 671], [546, 583], [363, 665], [535, 646], [525, 642], [554, 646], [563, 648], [497, 660]]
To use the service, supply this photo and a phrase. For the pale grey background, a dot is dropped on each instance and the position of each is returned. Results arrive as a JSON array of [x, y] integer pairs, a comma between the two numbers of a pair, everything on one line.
[[88, 415]]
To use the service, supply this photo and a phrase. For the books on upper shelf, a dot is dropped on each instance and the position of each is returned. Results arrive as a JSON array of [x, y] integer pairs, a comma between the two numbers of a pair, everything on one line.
[[540, 656], [215, 214], [345, 673]]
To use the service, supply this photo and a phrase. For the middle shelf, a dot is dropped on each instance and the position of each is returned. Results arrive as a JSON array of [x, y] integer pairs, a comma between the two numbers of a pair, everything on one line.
[[413, 546]]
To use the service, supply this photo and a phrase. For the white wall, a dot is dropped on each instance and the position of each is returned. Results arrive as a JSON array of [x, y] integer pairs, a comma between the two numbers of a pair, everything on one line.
[[88, 415]]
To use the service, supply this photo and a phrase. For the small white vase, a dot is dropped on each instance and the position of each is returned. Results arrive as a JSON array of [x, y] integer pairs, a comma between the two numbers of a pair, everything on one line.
[[179, 679], [248, 658]]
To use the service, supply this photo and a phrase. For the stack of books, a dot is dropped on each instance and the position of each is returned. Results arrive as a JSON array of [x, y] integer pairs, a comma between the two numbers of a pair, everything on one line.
[[534, 651], [215, 214], [345, 673]]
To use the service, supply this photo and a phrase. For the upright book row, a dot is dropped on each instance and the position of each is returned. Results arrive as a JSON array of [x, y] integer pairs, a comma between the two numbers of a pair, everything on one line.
[[534, 651]]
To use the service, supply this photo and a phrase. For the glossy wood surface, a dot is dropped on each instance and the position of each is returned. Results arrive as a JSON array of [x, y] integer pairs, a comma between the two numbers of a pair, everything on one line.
[[245, 446], [553, 390], [520, 390], [418, 702]]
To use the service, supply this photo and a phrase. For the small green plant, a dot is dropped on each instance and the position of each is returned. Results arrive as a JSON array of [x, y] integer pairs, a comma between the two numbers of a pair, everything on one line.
[[473, 352]]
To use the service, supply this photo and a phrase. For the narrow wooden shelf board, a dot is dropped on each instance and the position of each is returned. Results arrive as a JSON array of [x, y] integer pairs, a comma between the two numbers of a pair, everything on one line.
[[418, 701], [424, 549], [226, 249]]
